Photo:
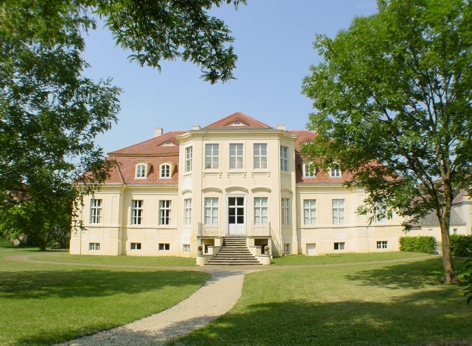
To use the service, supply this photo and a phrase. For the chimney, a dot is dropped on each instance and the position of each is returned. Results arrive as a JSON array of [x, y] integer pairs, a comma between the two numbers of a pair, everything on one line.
[[281, 127], [158, 131]]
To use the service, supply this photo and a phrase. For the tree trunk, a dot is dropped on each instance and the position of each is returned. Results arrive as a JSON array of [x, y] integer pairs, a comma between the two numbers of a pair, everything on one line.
[[444, 217]]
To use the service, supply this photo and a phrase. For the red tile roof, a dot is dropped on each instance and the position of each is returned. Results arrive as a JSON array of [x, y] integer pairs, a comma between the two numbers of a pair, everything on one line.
[[246, 120], [154, 146]]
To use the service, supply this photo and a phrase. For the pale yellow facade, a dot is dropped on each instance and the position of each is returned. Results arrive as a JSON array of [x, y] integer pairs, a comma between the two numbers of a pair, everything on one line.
[[234, 177]]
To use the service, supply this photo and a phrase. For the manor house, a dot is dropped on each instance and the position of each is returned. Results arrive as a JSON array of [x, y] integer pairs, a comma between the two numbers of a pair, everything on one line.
[[234, 177]]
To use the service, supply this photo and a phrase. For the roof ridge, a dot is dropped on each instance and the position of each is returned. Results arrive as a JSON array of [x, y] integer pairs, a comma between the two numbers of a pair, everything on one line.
[[235, 114], [147, 140]]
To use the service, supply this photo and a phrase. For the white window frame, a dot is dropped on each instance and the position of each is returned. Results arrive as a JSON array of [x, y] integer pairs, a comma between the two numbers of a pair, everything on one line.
[[339, 246], [211, 210], [335, 173], [212, 156], [95, 211], [165, 210], [165, 171], [163, 247], [382, 244], [284, 159], [309, 211], [187, 211], [141, 171], [261, 211], [188, 159], [135, 246], [309, 170], [94, 246], [378, 219], [260, 155], [236, 156], [285, 203], [338, 212], [137, 211], [287, 249], [186, 248]]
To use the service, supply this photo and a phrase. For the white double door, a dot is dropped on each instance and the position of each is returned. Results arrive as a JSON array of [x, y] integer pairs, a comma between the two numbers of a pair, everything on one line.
[[236, 215]]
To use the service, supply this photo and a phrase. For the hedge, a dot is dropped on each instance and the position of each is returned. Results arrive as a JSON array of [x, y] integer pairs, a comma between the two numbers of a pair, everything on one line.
[[461, 245], [423, 244]]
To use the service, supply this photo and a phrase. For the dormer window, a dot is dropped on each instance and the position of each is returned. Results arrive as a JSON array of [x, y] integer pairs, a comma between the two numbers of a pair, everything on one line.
[[335, 173], [168, 143], [165, 170], [309, 170], [142, 169]]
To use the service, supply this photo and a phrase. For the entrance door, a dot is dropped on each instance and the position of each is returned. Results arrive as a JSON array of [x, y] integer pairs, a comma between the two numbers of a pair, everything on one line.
[[236, 220]]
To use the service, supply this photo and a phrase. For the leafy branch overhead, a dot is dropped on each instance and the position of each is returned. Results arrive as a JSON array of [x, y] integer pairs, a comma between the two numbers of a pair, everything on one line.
[[166, 30], [50, 114]]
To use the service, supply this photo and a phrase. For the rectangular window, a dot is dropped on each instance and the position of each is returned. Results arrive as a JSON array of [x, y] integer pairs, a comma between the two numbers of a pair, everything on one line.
[[211, 211], [212, 156], [236, 156], [94, 246], [187, 211], [284, 159], [260, 156], [338, 211], [260, 211], [164, 212], [309, 170], [285, 212], [95, 211], [338, 246], [135, 246], [186, 248], [136, 212], [164, 247], [383, 244], [188, 159], [335, 173], [309, 211], [141, 170], [165, 171], [379, 215], [287, 249]]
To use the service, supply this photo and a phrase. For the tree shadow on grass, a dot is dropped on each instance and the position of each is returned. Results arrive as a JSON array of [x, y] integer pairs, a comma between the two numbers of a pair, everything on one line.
[[402, 321], [406, 275], [40, 284]]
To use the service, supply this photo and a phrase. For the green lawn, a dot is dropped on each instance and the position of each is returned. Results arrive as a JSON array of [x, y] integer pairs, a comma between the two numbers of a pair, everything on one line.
[[297, 260], [43, 304], [65, 257], [399, 303], [369, 304]]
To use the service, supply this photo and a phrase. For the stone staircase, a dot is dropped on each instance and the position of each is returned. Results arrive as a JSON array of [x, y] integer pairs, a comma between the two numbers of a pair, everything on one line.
[[234, 252]]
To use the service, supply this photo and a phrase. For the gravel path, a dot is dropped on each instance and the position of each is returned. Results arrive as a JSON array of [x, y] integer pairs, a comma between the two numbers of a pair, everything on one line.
[[213, 299]]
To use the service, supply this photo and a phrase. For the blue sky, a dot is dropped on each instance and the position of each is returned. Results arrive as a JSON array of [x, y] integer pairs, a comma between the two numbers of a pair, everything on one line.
[[273, 41]]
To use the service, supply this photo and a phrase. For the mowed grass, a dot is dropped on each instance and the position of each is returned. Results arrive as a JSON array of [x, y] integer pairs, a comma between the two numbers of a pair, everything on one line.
[[368, 304], [42, 304], [300, 260], [65, 257]]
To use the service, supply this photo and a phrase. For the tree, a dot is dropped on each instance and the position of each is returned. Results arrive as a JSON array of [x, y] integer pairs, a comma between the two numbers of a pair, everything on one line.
[[393, 106], [50, 114]]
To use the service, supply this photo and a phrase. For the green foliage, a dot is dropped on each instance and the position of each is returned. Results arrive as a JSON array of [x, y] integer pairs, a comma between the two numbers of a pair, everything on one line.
[[50, 114], [467, 280], [423, 244], [393, 102], [165, 30], [461, 245]]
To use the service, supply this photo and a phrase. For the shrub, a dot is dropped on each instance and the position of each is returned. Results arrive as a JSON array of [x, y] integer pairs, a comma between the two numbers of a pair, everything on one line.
[[423, 244], [461, 245]]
